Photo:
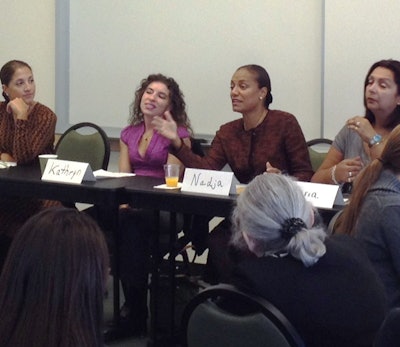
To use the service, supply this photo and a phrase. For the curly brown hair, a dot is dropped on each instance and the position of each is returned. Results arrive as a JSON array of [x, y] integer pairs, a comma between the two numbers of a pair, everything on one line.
[[178, 105]]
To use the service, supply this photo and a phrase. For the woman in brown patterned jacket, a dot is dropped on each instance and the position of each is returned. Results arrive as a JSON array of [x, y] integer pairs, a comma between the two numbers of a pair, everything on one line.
[[262, 140], [27, 129]]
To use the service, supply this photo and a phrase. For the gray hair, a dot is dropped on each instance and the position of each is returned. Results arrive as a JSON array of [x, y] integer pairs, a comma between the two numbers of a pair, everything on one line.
[[267, 203]]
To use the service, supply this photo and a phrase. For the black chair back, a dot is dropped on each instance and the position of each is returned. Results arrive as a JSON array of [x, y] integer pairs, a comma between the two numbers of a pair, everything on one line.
[[222, 315]]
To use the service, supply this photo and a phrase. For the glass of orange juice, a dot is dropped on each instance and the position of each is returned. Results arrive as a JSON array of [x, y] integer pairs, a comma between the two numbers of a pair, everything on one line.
[[171, 174]]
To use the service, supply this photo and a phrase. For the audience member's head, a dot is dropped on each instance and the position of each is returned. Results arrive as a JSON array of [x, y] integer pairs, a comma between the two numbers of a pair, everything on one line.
[[53, 282], [176, 103], [273, 217]]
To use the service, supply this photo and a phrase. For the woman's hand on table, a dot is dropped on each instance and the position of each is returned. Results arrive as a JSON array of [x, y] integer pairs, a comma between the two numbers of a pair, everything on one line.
[[270, 169], [6, 157], [348, 169]]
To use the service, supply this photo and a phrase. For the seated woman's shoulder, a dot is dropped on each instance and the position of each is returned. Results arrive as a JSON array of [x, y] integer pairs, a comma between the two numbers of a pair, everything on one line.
[[281, 114], [344, 242], [43, 110], [236, 123], [343, 239], [344, 249]]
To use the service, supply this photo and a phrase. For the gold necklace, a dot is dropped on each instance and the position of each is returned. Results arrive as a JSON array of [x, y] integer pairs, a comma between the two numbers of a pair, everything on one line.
[[148, 137]]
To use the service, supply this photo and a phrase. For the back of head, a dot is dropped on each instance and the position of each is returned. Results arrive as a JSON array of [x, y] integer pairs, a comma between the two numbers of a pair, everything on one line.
[[52, 284], [274, 214]]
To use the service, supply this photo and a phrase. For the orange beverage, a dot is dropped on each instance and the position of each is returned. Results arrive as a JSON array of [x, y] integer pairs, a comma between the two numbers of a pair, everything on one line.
[[171, 174], [171, 181]]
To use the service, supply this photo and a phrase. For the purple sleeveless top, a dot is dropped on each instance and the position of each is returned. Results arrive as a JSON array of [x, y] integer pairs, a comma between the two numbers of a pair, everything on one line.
[[156, 154]]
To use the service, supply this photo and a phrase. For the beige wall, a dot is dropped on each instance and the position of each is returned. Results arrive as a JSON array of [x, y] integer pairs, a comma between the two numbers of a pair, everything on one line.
[[114, 44], [350, 42], [27, 32]]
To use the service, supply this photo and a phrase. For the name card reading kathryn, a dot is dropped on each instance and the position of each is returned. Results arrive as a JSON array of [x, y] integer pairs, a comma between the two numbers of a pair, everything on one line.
[[207, 181], [67, 171], [322, 195]]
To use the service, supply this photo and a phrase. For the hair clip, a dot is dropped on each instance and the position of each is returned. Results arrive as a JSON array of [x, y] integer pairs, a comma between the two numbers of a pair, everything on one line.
[[291, 227]]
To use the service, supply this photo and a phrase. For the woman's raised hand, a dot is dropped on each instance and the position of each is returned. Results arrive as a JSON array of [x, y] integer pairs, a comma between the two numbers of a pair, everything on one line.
[[18, 108], [362, 127], [166, 126]]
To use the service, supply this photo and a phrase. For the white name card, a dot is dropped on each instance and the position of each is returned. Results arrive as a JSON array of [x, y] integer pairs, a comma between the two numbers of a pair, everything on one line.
[[322, 195], [207, 181], [67, 171]]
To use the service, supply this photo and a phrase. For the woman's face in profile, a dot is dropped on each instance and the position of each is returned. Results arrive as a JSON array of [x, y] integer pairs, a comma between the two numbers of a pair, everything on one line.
[[155, 99], [245, 92], [22, 85]]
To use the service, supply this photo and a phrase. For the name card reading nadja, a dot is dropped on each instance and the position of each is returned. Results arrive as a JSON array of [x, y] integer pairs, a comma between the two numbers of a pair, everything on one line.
[[207, 181], [67, 171]]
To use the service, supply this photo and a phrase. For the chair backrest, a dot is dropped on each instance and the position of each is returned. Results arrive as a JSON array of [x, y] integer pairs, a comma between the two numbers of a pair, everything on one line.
[[317, 149], [389, 333], [209, 320], [197, 146], [90, 145]]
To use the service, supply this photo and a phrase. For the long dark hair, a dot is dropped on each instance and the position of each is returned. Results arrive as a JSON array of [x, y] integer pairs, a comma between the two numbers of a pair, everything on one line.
[[263, 80], [52, 284], [178, 105], [7, 72], [390, 159], [394, 66]]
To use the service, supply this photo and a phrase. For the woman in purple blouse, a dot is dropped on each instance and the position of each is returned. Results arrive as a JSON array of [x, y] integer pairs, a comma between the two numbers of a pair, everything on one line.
[[144, 151]]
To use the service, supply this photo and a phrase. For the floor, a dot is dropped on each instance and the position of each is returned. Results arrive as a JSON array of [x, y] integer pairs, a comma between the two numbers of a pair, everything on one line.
[[108, 313], [183, 294]]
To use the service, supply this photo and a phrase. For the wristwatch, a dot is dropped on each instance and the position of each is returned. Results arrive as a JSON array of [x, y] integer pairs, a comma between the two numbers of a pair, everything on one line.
[[375, 140]]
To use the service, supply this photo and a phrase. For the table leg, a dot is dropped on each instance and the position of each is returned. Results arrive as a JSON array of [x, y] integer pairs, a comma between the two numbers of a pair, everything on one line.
[[157, 339], [116, 270], [154, 284], [171, 272]]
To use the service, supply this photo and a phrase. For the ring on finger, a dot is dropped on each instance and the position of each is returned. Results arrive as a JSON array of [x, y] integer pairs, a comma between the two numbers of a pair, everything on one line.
[[358, 124], [350, 174]]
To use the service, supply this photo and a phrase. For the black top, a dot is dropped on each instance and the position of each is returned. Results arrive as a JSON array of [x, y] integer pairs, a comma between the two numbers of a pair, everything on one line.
[[337, 302]]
